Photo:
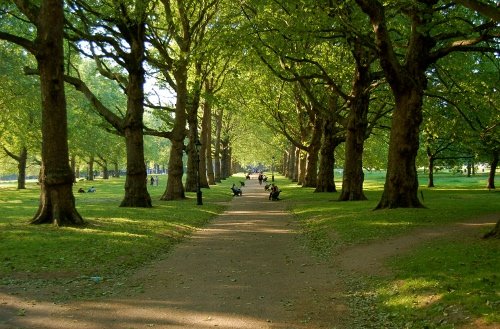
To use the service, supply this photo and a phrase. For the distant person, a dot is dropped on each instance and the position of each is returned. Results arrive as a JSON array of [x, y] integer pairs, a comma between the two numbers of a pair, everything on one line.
[[152, 180], [261, 178], [91, 190], [81, 190]]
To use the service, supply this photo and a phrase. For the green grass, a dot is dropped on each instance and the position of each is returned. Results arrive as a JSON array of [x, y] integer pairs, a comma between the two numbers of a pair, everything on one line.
[[356, 222], [442, 284], [114, 241]]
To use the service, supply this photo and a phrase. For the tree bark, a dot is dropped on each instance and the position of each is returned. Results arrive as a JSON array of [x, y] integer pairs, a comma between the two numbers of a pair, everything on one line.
[[217, 146], [21, 160], [57, 203], [301, 166], [136, 191], [292, 163], [175, 188], [225, 158], [325, 181], [431, 171], [311, 176], [90, 169], [206, 128], [407, 82], [401, 183], [357, 124], [493, 169], [193, 166], [21, 168]]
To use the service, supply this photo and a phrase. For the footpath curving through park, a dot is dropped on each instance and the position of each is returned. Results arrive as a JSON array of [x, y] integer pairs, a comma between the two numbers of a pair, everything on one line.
[[246, 269]]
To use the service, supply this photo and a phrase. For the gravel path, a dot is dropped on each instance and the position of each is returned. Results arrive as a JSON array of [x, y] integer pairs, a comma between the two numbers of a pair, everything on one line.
[[246, 269]]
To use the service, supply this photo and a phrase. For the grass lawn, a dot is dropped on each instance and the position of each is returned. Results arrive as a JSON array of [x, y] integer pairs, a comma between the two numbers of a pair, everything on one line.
[[440, 284]]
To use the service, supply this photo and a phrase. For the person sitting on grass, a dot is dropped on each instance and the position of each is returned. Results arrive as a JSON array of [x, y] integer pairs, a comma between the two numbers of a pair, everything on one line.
[[236, 190]]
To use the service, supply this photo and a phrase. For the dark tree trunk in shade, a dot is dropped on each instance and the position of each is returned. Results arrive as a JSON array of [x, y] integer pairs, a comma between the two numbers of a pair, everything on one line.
[[193, 133], [327, 159], [292, 173], [401, 183], [206, 127], [311, 176], [57, 202], [175, 188], [493, 169], [301, 166], [407, 79], [357, 124], [217, 146], [136, 191], [431, 171]]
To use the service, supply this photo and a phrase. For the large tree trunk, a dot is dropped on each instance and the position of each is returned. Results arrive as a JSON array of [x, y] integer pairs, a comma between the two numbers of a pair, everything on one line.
[[431, 169], [225, 159], [21, 160], [206, 128], [292, 170], [136, 191], [311, 176], [493, 169], [327, 159], [301, 166], [217, 146], [407, 79], [193, 165], [353, 176], [175, 188], [357, 124], [116, 172], [57, 203], [21, 168], [105, 171], [401, 183], [90, 169]]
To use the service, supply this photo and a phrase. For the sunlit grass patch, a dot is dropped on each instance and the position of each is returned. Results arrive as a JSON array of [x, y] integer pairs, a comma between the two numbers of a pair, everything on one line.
[[446, 282]]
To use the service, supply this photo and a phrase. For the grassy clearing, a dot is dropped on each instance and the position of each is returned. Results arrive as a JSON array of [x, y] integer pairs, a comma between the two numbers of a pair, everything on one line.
[[114, 241], [441, 284]]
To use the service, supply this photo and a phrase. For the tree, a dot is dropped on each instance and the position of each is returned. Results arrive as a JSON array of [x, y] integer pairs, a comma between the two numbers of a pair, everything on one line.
[[57, 203], [427, 41], [20, 119], [121, 40]]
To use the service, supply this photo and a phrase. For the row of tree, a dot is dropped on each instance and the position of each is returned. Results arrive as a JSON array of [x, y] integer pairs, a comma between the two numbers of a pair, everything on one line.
[[298, 78]]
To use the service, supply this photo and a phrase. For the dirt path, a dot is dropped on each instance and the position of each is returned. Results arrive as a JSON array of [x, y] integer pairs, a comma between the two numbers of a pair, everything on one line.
[[244, 270]]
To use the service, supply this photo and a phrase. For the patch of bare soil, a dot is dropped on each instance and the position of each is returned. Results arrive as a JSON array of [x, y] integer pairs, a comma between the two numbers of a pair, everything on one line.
[[247, 269]]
